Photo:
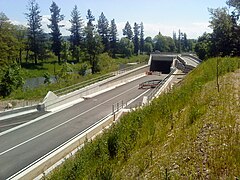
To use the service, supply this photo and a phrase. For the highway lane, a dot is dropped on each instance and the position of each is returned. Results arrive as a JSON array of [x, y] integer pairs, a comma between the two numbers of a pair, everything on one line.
[[23, 146], [190, 61], [12, 122]]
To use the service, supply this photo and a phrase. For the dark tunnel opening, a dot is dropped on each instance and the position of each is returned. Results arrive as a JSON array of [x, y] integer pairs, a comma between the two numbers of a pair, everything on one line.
[[161, 66]]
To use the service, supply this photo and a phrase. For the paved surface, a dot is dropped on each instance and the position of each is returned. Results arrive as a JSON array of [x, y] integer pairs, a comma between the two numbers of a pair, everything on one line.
[[12, 122], [23, 146], [190, 61]]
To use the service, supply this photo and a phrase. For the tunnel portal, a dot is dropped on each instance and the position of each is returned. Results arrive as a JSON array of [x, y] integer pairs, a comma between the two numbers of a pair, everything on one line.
[[161, 63]]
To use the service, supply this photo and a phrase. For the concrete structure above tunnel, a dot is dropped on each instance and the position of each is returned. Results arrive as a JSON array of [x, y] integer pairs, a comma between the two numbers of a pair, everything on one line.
[[161, 62]]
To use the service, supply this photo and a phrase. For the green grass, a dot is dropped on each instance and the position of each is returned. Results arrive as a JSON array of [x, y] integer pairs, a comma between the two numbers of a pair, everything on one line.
[[107, 64], [191, 132]]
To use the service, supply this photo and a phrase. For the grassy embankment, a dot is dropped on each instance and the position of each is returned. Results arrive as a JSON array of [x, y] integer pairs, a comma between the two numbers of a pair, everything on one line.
[[107, 64], [191, 132]]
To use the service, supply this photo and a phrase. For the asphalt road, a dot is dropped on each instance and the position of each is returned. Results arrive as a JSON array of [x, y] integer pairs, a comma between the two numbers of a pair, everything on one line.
[[190, 61], [25, 145]]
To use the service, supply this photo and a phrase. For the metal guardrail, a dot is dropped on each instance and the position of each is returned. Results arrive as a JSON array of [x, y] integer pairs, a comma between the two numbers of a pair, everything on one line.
[[77, 86], [74, 87], [152, 94]]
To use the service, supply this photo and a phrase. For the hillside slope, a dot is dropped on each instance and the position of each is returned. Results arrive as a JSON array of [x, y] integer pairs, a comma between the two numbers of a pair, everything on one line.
[[192, 132]]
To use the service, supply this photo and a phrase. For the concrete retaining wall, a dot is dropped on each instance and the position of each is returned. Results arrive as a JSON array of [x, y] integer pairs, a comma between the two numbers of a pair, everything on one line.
[[50, 103], [42, 165]]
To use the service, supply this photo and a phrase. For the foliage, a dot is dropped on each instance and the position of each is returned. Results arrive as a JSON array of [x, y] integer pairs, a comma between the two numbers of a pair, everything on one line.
[[127, 31], [113, 38], [203, 46], [141, 38], [10, 80], [82, 69], [65, 73], [106, 63], [93, 41], [21, 34], [148, 45], [176, 136], [160, 43], [225, 39], [136, 38], [235, 4], [65, 50], [35, 33], [77, 72], [47, 78], [103, 31], [76, 30], [221, 36], [8, 41], [126, 47], [55, 19]]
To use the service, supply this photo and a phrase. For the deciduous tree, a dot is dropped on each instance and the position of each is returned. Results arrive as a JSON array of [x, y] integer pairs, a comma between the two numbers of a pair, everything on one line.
[[11, 79], [8, 42], [126, 47], [222, 30]]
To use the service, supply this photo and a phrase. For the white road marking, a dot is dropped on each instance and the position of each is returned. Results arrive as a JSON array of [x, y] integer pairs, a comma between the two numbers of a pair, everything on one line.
[[13, 124], [131, 101], [45, 132]]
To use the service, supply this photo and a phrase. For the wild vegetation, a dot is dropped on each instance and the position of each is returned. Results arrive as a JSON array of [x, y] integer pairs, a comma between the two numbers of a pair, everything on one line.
[[225, 39], [190, 132], [66, 75], [35, 52]]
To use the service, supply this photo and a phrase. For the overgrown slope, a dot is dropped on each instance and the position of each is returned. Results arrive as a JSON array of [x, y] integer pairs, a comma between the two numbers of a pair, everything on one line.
[[191, 132]]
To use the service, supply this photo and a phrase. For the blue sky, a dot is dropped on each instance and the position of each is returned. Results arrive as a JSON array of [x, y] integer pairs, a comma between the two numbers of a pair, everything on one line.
[[166, 16]]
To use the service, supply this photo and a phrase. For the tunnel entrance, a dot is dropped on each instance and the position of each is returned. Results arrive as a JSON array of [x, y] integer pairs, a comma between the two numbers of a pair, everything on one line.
[[161, 63], [161, 66]]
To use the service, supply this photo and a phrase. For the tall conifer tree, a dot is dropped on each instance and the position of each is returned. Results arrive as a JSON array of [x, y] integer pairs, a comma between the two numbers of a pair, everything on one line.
[[136, 38], [141, 38], [127, 31], [103, 31], [56, 17], [35, 32], [76, 30], [113, 38]]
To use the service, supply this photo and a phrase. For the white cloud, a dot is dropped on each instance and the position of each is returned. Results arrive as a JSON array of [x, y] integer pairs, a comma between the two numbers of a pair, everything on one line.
[[64, 30], [18, 22], [193, 30], [45, 21]]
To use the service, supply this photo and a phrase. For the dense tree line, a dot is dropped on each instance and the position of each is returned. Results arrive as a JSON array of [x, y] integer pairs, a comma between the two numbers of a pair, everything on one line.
[[87, 41], [225, 39]]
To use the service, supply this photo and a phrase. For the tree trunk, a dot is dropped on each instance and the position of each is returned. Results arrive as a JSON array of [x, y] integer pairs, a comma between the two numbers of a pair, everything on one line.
[[27, 55], [59, 58], [35, 58], [20, 56]]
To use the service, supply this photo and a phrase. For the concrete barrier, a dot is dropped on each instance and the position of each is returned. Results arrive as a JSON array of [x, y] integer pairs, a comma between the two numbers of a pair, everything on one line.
[[41, 165], [54, 101]]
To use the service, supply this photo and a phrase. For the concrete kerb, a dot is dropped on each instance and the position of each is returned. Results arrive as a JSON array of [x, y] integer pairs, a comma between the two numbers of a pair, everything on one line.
[[17, 112], [49, 104], [40, 166], [163, 88]]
